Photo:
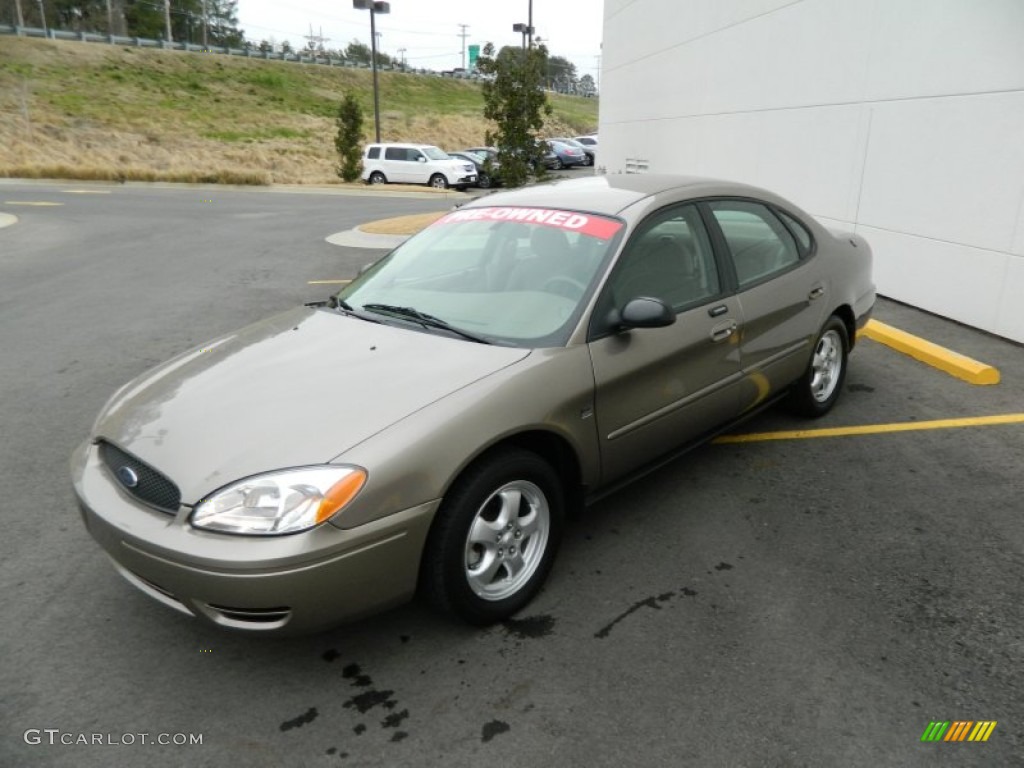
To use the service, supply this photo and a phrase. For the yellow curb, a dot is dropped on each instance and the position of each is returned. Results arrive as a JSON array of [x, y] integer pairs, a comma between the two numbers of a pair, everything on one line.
[[953, 363]]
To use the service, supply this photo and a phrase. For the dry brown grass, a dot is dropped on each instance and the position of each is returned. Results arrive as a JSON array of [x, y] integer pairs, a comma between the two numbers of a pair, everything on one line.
[[401, 225], [92, 111]]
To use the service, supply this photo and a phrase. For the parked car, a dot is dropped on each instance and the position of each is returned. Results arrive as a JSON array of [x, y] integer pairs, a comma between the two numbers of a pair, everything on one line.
[[548, 159], [415, 164], [486, 169], [587, 141], [588, 152], [566, 155], [428, 427]]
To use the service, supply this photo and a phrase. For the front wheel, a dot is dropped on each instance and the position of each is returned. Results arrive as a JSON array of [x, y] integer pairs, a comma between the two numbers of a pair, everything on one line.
[[483, 181], [438, 181], [819, 388], [495, 537]]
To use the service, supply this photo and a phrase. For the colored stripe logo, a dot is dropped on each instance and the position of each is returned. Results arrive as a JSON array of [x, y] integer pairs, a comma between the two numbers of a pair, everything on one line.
[[959, 730]]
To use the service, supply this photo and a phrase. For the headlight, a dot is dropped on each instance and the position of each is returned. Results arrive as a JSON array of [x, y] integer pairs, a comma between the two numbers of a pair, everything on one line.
[[287, 501]]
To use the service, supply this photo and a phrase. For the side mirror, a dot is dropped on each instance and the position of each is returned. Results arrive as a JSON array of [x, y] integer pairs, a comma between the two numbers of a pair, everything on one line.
[[645, 312], [421, 159]]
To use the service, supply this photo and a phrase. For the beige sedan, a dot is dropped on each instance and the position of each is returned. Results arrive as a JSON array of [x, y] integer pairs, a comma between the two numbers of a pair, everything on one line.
[[427, 428]]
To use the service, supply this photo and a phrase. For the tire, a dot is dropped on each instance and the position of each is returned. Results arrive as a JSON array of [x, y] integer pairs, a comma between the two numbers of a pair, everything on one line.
[[378, 178], [483, 181], [559, 165], [820, 386], [494, 539], [588, 160], [438, 181]]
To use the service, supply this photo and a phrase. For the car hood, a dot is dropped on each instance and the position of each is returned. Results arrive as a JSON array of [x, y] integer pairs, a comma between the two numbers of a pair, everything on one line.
[[296, 389]]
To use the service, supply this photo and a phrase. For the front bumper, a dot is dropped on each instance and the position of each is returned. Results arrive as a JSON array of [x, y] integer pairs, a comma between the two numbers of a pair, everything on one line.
[[280, 585]]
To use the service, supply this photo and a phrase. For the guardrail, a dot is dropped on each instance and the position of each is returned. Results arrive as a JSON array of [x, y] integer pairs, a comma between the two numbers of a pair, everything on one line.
[[298, 57]]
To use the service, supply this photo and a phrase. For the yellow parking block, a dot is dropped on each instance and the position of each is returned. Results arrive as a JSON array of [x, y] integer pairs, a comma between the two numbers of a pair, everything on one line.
[[951, 362]]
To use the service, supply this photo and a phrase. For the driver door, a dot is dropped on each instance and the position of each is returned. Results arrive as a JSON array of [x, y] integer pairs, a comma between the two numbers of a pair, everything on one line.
[[658, 388]]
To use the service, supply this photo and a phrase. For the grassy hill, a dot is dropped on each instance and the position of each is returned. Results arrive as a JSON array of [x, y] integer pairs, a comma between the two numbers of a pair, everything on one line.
[[88, 110]]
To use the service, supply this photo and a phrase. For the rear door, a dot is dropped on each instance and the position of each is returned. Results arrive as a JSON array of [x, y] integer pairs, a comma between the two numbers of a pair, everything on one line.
[[657, 388], [396, 164], [781, 292]]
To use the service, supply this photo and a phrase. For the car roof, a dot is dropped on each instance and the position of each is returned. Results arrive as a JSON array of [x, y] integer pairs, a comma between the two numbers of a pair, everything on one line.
[[401, 144], [612, 193]]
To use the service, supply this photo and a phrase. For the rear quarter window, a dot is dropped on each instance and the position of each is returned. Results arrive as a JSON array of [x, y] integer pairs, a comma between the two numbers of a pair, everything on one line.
[[803, 237], [373, 153]]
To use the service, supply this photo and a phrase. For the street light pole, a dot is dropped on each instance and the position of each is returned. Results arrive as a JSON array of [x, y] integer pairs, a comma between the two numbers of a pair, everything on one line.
[[524, 30], [374, 7], [529, 23]]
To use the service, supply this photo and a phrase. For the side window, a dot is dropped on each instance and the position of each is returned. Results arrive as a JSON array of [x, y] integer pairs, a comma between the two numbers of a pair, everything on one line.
[[414, 155], [669, 257], [759, 243], [799, 231], [394, 153], [373, 153]]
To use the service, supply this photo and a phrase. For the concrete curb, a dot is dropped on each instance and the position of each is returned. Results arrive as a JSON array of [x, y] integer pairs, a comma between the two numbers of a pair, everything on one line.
[[7, 219], [356, 238], [953, 363]]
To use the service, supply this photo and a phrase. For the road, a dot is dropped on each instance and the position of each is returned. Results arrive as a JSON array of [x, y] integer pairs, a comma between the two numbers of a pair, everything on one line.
[[805, 602]]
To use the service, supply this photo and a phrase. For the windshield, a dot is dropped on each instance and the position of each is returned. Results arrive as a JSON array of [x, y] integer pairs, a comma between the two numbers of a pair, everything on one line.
[[516, 276], [434, 153]]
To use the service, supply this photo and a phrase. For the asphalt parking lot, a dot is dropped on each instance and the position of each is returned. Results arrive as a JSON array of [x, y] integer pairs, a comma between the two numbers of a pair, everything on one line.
[[807, 601]]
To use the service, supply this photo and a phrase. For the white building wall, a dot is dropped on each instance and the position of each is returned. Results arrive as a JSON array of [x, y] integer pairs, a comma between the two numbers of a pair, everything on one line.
[[901, 119]]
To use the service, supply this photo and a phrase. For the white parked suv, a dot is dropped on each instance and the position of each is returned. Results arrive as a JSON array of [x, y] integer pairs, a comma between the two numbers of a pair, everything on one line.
[[415, 164]]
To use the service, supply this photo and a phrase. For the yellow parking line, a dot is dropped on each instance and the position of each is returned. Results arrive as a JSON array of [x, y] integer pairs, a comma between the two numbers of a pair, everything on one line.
[[954, 364], [873, 429], [29, 202], [328, 282]]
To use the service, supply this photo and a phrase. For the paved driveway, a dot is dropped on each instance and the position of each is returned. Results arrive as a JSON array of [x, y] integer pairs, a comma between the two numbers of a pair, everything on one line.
[[798, 602]]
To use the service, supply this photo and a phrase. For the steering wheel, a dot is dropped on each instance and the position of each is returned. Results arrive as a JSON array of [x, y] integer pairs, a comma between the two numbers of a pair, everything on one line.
[[563, 285]]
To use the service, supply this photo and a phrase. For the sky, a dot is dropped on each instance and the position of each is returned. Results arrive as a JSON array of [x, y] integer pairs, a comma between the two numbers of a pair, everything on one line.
[[430, 31]]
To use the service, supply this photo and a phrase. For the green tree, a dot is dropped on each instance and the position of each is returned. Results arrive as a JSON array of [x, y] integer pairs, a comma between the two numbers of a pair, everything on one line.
[[349, 138], [515, 101], [358, 52], [561, 74]]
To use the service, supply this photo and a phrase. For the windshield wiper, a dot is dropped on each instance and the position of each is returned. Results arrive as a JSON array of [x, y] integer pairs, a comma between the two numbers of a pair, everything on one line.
[[427, 321], [345, 308]]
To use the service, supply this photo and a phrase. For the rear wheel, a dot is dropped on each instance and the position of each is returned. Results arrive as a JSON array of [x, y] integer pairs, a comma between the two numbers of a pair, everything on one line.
[[495, 537], [819, 388], [438, 181], [559, 165], [377, 178]]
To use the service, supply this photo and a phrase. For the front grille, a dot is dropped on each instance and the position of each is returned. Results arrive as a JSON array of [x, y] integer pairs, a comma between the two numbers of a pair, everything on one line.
[[151, 487]]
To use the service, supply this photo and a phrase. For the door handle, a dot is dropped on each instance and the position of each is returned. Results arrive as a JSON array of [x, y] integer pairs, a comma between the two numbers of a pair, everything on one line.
[[723, 331], [816, 293], [718, 311]]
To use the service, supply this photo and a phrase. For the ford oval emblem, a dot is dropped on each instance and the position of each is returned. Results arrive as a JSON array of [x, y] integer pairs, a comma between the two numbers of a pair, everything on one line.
[[127, 477]]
